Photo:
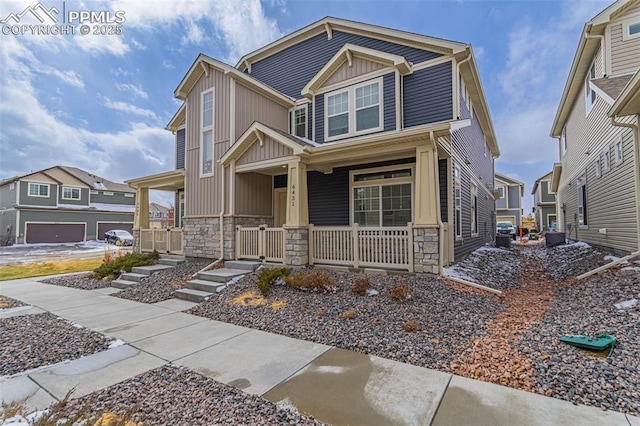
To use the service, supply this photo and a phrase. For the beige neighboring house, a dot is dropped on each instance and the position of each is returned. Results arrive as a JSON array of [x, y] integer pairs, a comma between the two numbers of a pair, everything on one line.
[[596, 124], [508, 199], [160, 217], [544, 203]]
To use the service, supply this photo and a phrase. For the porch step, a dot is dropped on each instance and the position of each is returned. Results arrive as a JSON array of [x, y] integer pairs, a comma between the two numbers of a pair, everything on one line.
[[133, 276], [167, 259], [242, 264], [221, 275], [203, 285], [148, 270], [192, 295], [120, 283]]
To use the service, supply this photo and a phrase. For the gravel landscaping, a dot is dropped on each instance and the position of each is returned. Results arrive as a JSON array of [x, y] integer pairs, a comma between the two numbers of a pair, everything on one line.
[[510, 340], [80, 281], [8, 303]]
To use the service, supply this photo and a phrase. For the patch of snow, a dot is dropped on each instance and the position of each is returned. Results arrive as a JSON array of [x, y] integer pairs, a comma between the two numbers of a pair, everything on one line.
[[611, 258], [234, 280], [287, 405], [116, 343], [626, 304], [454, 272], [631, 268], [31, 418], [372, 292], [114, 207], [77, 325], [581, 244], [332, 369]]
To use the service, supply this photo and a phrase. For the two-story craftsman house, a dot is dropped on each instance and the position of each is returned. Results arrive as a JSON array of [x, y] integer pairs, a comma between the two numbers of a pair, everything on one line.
[[342, 143], [597, 179]]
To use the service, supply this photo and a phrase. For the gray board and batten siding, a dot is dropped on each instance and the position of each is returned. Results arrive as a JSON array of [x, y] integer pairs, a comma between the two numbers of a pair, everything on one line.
[[311, 55]]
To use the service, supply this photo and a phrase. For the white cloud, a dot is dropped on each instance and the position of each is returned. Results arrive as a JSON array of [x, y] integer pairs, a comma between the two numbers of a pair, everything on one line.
[[129, 108], [69, 77], [194, 35], [135, 90], [167, 64]]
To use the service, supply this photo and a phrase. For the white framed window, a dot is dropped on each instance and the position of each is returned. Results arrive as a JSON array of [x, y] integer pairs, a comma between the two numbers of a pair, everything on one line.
[[581, 183], [563, 138], [382, 196], [38, 189], [206, 132], [70, 193], [598, 168], [107, 193], [631, 29], [299, 121], [474, 209], [589, 93], [129, 195], [501, 192], [457, 190], [354, 111], [12, 186], [606, 160], [93, 192], [618, 151]]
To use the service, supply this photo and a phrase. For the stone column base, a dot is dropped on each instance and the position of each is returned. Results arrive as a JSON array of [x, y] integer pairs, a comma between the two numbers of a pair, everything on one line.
[[296, 246], [426, 250]]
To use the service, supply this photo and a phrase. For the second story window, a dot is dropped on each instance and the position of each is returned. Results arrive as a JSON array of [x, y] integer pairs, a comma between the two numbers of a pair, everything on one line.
[[299, 121], [69, 193], [206, 136], [38, 190], [564, 139], [618, 151], [589, 93], [354, 111], [606, 160]]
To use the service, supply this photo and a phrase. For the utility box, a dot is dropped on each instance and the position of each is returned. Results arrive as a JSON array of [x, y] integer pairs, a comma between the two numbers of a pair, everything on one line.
[[503, 240], [554, 239]]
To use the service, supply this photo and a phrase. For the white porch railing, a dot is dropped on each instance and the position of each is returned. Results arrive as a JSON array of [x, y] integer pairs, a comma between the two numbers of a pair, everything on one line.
[[163, 240], [378, 247], [260, 243]]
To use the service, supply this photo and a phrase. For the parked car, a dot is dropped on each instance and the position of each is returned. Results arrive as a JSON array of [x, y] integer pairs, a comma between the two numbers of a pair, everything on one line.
[[506, 228], [118, 237]]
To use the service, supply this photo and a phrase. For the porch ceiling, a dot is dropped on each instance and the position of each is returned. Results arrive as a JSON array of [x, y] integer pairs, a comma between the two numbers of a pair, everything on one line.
[[167, 181]]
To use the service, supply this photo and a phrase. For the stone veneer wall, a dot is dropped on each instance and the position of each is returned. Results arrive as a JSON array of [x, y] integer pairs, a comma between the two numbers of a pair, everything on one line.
[[426, 250], [136, 240], [296, 246]]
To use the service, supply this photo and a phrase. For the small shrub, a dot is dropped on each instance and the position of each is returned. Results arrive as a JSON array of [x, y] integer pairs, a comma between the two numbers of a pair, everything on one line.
[[401, 292], [411, 326], [267, 277], [113, 267], [315, 281], [361, 286], [350, 314]]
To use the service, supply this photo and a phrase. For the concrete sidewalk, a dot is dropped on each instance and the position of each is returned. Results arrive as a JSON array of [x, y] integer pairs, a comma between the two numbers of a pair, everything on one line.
[[334, 385]]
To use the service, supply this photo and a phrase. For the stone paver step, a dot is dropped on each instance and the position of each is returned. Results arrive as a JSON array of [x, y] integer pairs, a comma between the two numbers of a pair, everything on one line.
[[148, 270], [132, 276], [203, 285], [242, 264], [222, 275], [193, 295], [120, 283], [170, 261]]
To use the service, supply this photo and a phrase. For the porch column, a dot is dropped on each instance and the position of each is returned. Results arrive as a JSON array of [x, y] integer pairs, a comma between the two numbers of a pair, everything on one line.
[[297, 202], [426, 189], [296, 227], [141, 215]]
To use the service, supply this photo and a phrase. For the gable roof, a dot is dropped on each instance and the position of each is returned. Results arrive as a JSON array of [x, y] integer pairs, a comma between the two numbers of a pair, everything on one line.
[[510, 181], [179, 118], [546, 177], [346, 53], [329, 23], [94, 181], [587, 48], [201, 66], [628, 102]]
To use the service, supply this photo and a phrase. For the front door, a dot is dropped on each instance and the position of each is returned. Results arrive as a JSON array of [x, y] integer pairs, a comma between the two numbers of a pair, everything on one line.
[[280, 207]]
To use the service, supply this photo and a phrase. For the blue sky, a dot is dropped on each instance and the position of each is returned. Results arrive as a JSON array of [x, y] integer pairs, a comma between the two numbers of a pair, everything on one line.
[[101, 102]]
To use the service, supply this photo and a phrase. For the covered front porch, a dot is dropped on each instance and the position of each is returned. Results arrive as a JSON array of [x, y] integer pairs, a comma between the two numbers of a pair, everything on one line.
[[146, 238]]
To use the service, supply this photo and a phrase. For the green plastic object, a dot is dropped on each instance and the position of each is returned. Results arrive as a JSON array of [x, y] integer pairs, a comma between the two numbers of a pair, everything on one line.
[[599, 343]]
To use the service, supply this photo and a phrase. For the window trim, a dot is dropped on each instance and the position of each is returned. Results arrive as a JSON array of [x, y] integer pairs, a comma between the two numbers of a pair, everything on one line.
[[581, 186], [29, 194], [204, 129], [618, 151], [474, 209], [72, 188], [598, 167], [606, 159], [626, 28], [457, 196], [563, 136], [380, 183], [292, 124], [351, 110], [589, 92]]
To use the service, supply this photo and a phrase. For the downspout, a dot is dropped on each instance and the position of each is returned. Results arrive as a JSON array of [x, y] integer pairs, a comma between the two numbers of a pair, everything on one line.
[[562, 225], [438, 215], [602, 49], [636, 159], [467, 59], [222, 202]]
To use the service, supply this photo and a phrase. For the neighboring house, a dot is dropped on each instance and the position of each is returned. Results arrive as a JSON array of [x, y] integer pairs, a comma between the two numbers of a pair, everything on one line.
[[596, 124], [509, 193], [63, 204], [160, 216], [354, 144], [544, 203]]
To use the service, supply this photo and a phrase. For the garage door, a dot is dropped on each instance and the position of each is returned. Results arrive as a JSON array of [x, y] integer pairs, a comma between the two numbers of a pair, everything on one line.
[[104, 227], [55, 233]]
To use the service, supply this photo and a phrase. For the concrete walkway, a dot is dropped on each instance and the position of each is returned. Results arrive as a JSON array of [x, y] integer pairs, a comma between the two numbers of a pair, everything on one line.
[[334, 385]]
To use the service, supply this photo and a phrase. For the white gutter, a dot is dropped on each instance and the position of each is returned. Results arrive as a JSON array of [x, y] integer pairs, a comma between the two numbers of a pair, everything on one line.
[[636, 154], [468, 58], [438, 217], [602, 49]]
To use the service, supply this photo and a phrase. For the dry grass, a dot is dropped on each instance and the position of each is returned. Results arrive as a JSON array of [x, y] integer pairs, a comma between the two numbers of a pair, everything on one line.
[[250, 298], [411, 326], [30, 270], [350, 314]]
